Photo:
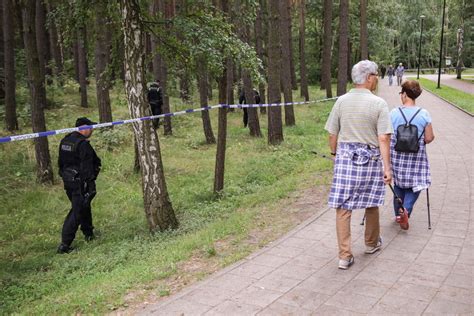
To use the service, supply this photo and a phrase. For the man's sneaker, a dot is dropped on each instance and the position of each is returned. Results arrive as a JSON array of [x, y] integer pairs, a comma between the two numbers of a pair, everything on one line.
[[63, 248], [371, 250], [345, 264]]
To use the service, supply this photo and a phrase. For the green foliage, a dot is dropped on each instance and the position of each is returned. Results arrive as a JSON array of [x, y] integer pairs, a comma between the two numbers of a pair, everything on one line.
[[462, 99], [126, 258]]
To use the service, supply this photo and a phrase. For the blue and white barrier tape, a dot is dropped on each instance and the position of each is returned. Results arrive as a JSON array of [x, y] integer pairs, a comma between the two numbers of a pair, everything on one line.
[[146, 118]]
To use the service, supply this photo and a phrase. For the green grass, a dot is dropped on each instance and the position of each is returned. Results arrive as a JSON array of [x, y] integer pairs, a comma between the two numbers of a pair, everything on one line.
[[461, 99], [127, 258]]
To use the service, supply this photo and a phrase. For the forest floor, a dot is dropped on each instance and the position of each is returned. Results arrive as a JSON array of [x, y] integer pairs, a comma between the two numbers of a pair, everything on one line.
[[127, 265], [418, 271]]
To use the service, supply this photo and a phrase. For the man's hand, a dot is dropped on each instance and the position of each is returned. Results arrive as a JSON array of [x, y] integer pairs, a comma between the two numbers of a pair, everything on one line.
[[387, 176]]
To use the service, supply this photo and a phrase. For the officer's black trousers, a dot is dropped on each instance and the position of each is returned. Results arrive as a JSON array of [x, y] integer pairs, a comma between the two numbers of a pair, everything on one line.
[[246, 116], [80, 214]]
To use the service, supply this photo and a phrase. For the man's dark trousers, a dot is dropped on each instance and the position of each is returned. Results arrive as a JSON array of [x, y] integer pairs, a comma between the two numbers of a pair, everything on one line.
[[80, 214]]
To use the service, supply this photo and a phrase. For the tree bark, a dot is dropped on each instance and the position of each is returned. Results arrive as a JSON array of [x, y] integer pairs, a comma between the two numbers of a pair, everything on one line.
[[42, 38], [103, 45], [44, 171], [275, 128], [2, 51], [55, 48], [294, 83], [222, 126], [158, 209], [343, 46], [327, 45], [203, 89], [364, 34], [286, 62], [82, 64], [259, 40], [303, 76], [11, 122], [160, 68], [230, 83]]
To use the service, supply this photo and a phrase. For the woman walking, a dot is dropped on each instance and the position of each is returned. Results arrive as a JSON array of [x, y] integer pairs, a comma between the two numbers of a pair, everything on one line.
[[411, 170]]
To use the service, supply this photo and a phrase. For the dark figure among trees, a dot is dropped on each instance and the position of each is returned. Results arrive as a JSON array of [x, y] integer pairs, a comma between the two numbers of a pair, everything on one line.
[[155, 99]]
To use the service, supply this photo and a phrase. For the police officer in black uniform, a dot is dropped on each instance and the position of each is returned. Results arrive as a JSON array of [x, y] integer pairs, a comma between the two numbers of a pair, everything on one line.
[[155, 98], [79, 167]]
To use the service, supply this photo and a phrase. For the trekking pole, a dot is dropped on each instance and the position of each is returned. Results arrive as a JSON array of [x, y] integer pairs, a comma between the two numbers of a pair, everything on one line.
[[363, 220], [321, 155], [428, 205]]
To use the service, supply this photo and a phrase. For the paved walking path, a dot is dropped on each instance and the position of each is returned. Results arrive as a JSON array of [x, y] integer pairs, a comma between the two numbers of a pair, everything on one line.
[[451, 81], [418, 271]]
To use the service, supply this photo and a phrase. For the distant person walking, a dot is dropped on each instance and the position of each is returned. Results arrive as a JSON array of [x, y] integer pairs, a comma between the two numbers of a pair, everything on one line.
[[243, 101], [359, 137], [382, 71], [390, 74], [155, 99], [400, 71], [411, 170]]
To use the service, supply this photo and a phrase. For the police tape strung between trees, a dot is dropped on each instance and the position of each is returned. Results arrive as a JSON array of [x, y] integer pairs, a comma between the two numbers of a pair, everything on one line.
[[13, 138]]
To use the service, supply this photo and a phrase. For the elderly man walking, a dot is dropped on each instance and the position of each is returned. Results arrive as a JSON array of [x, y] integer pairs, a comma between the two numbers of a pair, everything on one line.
[[360, 129]]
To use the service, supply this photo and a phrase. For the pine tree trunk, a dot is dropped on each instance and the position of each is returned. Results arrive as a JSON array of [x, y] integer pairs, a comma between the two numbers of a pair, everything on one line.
[[286, 61], [44, 171], [55, 48], [160, 68], [11, 122], [327, 45], [202, 86], [158, 209], [230, 84], [364, 34], [259, 40], [275, 128], [294, 83], [42, 38], [222, 126], [253, 123], [343, 46], [102, 59], [82, 64], [75, 56], [2, 51], [303, 76]]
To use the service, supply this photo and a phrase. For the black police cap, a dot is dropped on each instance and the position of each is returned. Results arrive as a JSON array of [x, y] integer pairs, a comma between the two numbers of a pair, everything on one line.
[[84, 121]]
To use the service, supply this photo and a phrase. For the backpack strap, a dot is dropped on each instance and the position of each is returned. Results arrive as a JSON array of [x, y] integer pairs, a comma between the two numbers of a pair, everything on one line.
[[414, 116], [404, 117]]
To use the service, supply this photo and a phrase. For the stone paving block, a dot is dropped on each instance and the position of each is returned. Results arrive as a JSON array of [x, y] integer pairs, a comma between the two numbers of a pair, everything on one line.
[[270, 260], [359, 303], [207, 295], [398, 255], [231, 308], [370, 288], [402, 305], [456, 294], [309, 261], [322, 285], [320, 226], [330, 310], [296, 243], [293, 271], [459, 280], [252, 270], [331, 271], [446, 240], [278, 308], [304, 298], [180, 307], [444, 307], [255, 295], [385, 278], [277, 282], [444, 249], [463, 269], [381, 264], [436, 257], [422, 278], [231, 282], [308, 233], [414, 291], [441, 231], [282, 251]]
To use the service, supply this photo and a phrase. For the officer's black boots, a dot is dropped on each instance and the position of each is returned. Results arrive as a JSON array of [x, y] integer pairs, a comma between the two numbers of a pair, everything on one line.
[[89, 238], [64, 249]]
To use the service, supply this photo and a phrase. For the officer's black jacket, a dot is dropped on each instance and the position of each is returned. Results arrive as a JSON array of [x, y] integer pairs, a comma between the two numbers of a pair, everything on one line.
[[76, 152]]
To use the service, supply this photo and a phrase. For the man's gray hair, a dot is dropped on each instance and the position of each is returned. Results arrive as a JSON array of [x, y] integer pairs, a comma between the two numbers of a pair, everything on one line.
[[362, 70]]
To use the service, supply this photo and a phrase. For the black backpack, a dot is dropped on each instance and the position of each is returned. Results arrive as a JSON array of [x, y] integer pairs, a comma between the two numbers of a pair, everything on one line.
[[407, 136]]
